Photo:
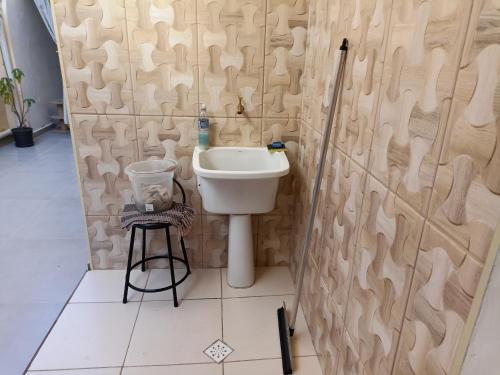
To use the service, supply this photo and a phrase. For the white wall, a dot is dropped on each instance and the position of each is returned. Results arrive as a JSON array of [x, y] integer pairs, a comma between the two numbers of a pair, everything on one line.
[[35, 53]]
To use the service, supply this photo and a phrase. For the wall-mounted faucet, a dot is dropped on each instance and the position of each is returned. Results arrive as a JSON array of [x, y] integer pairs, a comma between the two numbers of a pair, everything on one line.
[[240, 108]]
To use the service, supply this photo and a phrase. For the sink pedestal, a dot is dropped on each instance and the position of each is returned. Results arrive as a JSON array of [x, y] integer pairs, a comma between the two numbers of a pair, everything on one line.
[[239, 182], [240, 270]]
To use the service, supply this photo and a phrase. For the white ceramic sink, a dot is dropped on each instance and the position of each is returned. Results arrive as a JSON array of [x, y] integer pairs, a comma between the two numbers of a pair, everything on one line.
[[240, 163], [239, 181]]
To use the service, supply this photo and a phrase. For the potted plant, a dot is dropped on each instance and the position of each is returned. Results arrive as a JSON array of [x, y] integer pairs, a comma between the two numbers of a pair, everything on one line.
[[20, 106]]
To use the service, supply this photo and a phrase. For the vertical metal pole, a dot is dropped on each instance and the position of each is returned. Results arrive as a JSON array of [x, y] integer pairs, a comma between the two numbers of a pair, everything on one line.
[[129, 265], [171, 265], [317, 182], [143, 265]]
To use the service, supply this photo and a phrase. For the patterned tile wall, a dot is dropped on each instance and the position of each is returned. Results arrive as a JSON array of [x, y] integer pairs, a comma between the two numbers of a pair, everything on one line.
[[411, 193], [286, 34], [164, 58], [231, 54], [105, 145], [95, 54], [136, 72]]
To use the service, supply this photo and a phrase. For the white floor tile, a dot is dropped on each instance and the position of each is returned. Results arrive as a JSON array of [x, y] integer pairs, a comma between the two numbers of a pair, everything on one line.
[[89, 371], [202, 283], [269, 281], [88, 336], [251, 328], [23, 327], [166, 335], [107, 286], [202, 369], [301, 366]]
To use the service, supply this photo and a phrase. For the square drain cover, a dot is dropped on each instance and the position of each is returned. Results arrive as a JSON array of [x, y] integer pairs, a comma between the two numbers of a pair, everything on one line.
[[218, 351]]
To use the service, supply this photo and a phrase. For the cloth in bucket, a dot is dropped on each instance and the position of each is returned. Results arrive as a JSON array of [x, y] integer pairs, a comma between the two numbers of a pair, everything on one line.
[[179, 215]]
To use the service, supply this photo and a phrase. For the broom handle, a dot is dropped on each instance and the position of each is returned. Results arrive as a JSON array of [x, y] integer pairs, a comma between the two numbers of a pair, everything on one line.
[[317, 182]]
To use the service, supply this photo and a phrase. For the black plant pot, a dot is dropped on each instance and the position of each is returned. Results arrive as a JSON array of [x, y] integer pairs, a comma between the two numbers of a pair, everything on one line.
[[23, 137]]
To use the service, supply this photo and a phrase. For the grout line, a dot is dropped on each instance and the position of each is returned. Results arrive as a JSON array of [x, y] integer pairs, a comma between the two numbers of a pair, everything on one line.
[[197, 42], [221, 305], [100, 302], [75, 369], [186, 299], [131, 335], [266, 4], [132, 85], [170, 364], [193, 116], [146, 284]]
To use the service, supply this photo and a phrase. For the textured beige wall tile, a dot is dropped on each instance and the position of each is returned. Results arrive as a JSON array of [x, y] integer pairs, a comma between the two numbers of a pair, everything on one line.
[[420, 118], [349, 361], [345, 186], [231, 55], [95, 55], [422, 59], [285, 130], [274, 240], [311, 296], [286, 35], [466, 201], [174, 138], [365, 24], [109, 243], [304, 188], [156, 243], [235, 131], [124, 54], [163, 52], [105, 145], [324, 17], [445, 282], [382, 273], [326, 322], [215, 231], [313, 150]]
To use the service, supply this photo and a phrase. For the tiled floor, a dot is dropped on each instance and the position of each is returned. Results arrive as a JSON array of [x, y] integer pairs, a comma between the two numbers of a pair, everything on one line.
[[43, 248], [98, 335]]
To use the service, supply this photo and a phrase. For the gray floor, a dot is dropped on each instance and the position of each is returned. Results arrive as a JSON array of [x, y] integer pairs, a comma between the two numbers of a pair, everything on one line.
[[43, 250]]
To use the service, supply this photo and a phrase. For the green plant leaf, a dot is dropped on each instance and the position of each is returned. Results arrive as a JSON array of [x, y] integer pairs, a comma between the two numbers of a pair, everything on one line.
[[18, 74], [6, 90], [29, 102]]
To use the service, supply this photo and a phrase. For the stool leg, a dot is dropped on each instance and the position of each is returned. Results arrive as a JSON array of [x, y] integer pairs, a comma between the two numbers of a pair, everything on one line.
[[171, 263], [129, 265], [143, 265], [184, 253]]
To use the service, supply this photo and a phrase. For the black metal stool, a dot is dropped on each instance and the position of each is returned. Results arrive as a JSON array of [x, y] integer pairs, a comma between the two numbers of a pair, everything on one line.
[[169, 256]]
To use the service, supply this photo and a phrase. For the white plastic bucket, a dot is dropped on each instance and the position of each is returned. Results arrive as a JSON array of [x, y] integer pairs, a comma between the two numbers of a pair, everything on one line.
[[152, 184]]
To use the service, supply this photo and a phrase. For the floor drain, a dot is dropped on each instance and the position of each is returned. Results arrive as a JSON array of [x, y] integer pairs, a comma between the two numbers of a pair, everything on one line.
[[218, 351]]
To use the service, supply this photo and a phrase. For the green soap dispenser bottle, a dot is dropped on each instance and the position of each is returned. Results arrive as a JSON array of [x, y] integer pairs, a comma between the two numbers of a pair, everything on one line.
[[203, 128]]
